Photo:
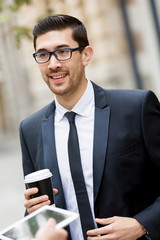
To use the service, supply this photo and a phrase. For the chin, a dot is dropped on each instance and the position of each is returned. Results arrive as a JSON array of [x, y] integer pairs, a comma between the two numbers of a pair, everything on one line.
[[59, 91]]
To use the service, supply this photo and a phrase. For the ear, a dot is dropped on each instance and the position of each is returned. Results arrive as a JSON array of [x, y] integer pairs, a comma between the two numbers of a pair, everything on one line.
[[87, 55]]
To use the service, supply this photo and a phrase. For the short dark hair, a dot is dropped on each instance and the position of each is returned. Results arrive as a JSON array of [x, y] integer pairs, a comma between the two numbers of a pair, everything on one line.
[[61, 22]]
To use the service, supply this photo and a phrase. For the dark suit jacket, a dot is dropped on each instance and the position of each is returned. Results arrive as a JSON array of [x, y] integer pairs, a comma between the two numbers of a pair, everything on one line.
[[126, 158]]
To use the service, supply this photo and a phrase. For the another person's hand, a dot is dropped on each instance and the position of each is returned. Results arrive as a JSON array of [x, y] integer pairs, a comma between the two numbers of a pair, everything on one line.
[[32, 204], [121, 228], [49, 232]]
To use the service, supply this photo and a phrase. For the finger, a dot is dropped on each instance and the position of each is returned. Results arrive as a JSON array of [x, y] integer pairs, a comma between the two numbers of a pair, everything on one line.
[[29, 192], [105, 221], [55, 191], [104, 237], [98, 231], [52, 221], [64, 232], [34, 201], [35, 207]]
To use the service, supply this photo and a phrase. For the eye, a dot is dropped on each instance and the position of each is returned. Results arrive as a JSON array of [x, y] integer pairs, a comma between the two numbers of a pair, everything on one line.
[[42, 55], [64, 51]]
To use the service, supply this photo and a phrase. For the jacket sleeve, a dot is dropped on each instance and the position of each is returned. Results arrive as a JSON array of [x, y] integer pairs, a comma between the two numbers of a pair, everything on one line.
[[26, 158], [150, 122]]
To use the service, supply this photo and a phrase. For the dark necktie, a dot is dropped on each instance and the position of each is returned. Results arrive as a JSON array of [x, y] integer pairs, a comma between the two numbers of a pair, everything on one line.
[[78, 177]]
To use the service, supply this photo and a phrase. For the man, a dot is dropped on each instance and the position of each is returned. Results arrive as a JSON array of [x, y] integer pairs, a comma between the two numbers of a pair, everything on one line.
[[118, 134]]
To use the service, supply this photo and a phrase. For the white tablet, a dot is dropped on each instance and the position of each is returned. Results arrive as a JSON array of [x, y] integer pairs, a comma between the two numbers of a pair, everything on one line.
[[27, 227]]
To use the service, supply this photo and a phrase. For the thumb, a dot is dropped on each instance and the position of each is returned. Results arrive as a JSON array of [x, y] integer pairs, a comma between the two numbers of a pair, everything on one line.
[[55, 191]]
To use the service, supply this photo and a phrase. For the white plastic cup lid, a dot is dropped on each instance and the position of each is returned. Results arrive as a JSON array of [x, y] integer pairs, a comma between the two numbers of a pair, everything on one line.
[[37, 176]]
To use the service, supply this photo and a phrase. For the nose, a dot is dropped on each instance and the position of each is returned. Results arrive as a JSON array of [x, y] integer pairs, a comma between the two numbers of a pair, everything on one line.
[[53, 62]]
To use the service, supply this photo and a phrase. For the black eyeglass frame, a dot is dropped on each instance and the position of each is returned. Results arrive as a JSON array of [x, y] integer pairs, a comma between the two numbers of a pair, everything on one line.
[[54, 53]]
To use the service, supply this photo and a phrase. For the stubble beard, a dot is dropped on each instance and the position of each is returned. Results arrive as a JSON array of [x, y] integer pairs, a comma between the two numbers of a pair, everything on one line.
[[66, 88]]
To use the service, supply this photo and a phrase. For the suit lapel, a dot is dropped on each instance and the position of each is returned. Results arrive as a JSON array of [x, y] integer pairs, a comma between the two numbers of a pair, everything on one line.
[[50, 156], [102, 113]]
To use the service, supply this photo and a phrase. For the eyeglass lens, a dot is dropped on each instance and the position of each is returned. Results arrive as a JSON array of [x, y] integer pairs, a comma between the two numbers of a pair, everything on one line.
[[60, 54]]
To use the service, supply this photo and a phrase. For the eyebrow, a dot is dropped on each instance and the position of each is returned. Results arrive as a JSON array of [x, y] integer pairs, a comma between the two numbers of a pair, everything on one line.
[[58, 47]]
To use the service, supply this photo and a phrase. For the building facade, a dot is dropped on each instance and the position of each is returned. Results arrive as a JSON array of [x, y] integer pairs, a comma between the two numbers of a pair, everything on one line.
[[123, 34]]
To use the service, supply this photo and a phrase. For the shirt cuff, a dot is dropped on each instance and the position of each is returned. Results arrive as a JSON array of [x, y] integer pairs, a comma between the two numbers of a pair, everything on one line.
[[147, 236]]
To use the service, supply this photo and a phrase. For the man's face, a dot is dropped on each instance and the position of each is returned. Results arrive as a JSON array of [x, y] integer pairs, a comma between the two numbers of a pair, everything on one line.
[[64, 78]]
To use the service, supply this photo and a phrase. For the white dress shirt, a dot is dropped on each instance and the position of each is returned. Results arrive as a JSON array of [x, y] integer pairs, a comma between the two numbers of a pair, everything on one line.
[[84, 121]]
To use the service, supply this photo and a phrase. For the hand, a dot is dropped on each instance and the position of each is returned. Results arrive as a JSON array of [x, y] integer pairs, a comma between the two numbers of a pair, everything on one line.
[[32, 204], [49, 232], [117, 228]]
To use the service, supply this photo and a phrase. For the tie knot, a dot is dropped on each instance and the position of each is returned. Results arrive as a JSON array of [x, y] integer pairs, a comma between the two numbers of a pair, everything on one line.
[[70, 116]]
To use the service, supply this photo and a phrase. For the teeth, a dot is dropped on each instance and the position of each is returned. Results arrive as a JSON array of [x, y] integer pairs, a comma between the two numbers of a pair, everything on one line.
[[60, 76]]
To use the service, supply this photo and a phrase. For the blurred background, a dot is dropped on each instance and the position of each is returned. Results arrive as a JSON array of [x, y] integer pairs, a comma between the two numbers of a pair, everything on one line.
[[125, 36]]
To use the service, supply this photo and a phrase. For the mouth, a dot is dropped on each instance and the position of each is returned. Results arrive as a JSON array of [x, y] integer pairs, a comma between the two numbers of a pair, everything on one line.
[[58, 78]]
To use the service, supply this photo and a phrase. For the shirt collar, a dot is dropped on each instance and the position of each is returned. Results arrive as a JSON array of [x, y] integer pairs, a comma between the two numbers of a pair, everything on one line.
[[82, 107]]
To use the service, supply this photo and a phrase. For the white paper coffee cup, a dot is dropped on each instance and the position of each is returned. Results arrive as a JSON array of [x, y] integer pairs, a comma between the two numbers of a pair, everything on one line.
[[41, 179]]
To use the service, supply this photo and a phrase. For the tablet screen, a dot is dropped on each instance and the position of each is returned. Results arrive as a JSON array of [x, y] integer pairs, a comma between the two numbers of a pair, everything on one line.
[[28, 226]]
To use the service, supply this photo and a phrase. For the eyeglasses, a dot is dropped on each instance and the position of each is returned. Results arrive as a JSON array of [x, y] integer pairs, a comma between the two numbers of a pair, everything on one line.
[[61, 54]]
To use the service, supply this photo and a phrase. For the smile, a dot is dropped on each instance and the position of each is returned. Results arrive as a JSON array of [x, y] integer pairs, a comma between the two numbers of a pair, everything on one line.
[[58, 77]]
